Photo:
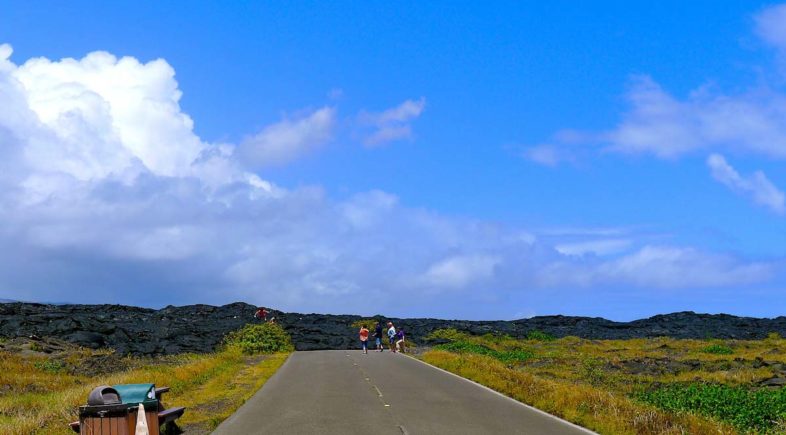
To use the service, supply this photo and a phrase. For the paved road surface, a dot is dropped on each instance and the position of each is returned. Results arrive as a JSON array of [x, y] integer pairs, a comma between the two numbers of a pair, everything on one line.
[[346, 392]]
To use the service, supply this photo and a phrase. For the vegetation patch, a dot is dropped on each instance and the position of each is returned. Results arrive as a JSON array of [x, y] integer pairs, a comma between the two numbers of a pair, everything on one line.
[[508, 356], [50, 365], [370, 323], [450, 334], [718, 349], [260, 338], [607, 385], [760, 411], [540, 336], [585, 405]]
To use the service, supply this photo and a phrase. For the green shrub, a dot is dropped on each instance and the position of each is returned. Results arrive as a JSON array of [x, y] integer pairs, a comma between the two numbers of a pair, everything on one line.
[[50, 365], [540, 336], [260, 338], [759, 411], [495, 338], [506, 356], [591, 370], [447, 334], [370, 323], [718, 349]]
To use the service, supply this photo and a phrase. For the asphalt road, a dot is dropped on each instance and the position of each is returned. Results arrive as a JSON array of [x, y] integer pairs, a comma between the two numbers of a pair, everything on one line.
[[346, 392]]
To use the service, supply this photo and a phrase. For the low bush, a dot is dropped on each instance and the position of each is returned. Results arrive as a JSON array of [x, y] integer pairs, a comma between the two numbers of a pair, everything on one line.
[[718, 349], [50, 365], [495, 338], [540, 336], [761, 411], [259, 338], [447, 334], [506, 356], [370, 323]]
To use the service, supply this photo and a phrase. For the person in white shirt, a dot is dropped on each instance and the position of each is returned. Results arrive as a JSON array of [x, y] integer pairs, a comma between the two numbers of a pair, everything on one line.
[[392, 336]]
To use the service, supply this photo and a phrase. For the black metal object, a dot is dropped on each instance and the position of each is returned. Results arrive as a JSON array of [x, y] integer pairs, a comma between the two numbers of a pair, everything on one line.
[[105, 411], [103, 395]]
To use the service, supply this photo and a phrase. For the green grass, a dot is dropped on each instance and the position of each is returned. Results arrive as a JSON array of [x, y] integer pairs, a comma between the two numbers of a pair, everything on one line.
[[50, 365], [540, 336], [718, 349], [507, 356], [447, 334], [757, 411]]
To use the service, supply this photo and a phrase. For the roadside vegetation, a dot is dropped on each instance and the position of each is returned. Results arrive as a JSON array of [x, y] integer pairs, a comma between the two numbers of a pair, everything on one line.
[[259, 338], [370, 323], [637, 386], [43, 382]]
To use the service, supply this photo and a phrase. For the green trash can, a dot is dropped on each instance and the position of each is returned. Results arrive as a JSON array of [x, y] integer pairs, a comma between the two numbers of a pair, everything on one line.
[[114, 410]]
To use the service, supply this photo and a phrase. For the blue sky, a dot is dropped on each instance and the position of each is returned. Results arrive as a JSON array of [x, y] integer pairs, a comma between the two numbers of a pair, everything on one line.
[[423, 158]]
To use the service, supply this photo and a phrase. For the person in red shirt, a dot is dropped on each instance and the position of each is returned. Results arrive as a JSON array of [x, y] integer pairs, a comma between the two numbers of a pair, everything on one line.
[[364, 338], [261, 314]]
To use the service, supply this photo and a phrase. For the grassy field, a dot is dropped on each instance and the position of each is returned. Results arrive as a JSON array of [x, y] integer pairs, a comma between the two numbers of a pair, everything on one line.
[[40, 392], [639, 386]]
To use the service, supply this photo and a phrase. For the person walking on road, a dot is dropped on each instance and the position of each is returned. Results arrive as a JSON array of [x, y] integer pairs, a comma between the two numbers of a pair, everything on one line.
[[378, 336], [400, 341], [392, 336], [364, 338]]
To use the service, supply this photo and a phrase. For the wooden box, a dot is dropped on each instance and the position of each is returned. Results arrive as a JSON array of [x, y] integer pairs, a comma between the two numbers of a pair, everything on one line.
[[114, 420]]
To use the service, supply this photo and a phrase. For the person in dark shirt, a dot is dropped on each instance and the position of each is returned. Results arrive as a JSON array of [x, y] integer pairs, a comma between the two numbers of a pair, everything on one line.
[[378, 336]]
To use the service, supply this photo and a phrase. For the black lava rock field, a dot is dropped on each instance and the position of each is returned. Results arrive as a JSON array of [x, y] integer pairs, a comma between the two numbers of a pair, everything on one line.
[[200, 328]]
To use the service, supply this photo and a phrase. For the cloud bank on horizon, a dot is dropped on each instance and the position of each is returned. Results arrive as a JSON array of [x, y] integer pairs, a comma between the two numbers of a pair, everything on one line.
[[108, 195]]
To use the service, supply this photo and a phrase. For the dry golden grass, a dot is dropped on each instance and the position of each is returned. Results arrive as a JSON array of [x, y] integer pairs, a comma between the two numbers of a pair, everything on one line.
[[38, 396], [592, 382]]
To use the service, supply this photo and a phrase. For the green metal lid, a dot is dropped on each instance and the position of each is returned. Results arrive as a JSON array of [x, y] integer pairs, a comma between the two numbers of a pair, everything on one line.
[[131, 394]]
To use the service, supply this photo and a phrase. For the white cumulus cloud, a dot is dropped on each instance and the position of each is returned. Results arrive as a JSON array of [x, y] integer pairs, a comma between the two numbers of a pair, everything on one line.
[[289, 139], [663, 267], [771, 25], [460, 271], [107, 114], [667, 127], [107, 195], [757, 186], [597, 247], [707, 119], [548, 155], [392, 124]]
